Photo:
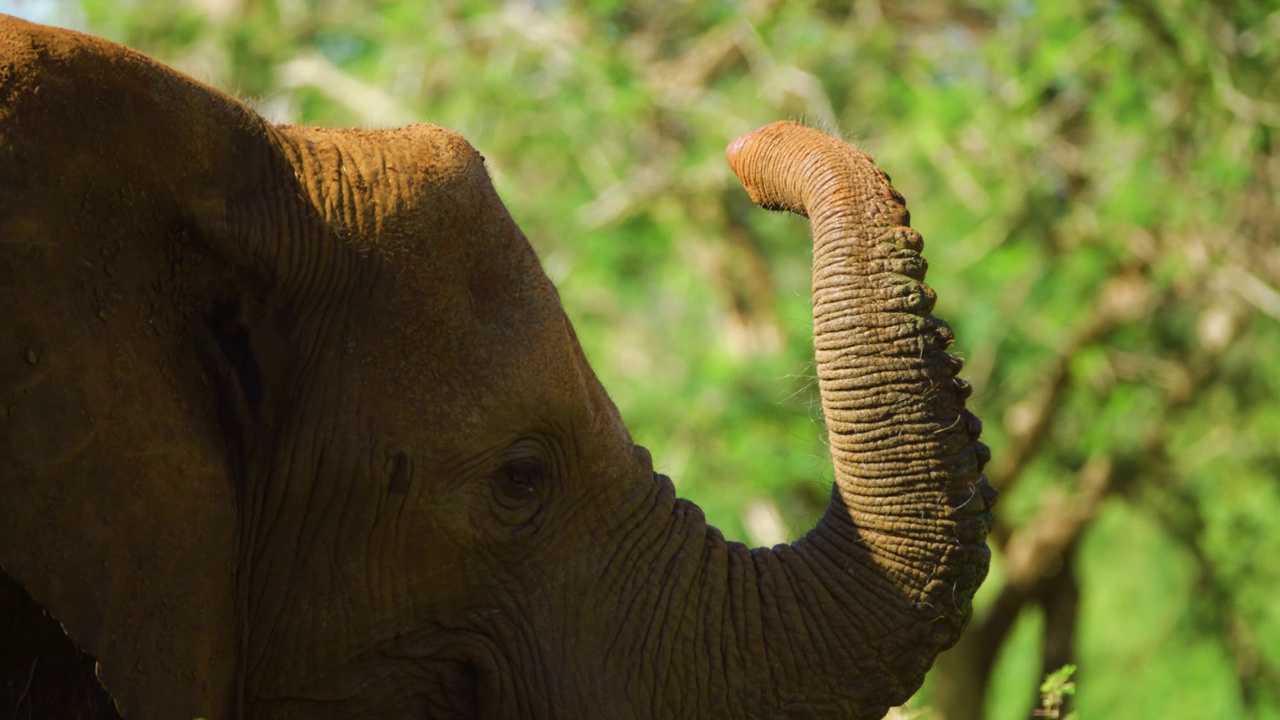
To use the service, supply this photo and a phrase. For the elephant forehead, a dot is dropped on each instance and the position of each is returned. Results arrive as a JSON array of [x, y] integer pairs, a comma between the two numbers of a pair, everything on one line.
[[485, 348]]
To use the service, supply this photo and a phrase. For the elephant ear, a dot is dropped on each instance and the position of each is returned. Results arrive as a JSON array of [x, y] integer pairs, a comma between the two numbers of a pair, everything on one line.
[[118, 507]]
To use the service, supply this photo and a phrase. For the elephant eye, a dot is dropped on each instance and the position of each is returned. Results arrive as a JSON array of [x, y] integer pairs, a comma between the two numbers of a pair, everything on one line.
[[521, 486], [518, 481]]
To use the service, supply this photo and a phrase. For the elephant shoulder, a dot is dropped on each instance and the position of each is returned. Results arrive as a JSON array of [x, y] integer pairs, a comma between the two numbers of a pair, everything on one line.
[[56, 83], [39, 63]]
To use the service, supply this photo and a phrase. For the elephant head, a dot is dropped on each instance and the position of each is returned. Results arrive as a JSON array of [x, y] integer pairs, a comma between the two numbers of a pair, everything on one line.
[[292, 424]]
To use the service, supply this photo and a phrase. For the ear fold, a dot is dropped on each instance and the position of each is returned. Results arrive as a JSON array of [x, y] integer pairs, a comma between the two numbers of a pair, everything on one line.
[[117, 506]]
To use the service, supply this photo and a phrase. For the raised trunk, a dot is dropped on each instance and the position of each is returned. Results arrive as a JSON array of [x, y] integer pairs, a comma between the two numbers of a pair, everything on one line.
[[862, 605]]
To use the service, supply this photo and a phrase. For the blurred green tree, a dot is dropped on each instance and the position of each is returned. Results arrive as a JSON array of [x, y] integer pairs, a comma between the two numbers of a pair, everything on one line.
[[1098, 184]]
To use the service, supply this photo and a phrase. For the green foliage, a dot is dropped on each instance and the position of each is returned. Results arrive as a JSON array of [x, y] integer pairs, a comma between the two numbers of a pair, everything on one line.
[[1096, 182], [1054, 691]]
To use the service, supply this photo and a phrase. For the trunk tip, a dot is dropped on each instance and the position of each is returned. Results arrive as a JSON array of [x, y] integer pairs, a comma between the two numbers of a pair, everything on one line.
[[759, 159], [732, 152], [735, 149]]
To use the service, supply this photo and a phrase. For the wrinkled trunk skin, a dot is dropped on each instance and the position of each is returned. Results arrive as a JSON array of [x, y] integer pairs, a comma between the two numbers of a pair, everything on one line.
[[860, 606]]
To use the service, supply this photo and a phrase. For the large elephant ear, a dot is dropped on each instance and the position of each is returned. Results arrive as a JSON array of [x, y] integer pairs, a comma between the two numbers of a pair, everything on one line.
[[118, 508]]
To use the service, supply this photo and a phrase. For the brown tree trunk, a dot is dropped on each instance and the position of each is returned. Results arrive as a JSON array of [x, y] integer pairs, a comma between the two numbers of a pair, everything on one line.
[[1061, 602]]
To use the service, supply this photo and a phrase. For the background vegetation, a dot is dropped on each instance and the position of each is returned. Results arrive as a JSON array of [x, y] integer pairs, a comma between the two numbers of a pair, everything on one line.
[[1098, 182]]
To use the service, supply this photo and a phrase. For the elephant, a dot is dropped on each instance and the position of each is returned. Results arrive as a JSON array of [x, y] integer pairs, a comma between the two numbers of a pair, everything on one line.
[[293, 424]]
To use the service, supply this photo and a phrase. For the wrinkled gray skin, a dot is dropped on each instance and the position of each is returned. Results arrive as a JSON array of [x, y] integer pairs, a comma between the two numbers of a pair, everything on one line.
[[292, 424]]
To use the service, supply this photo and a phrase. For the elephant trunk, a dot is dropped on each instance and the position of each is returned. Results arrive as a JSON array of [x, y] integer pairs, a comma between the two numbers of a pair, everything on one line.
[[888, 573]]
